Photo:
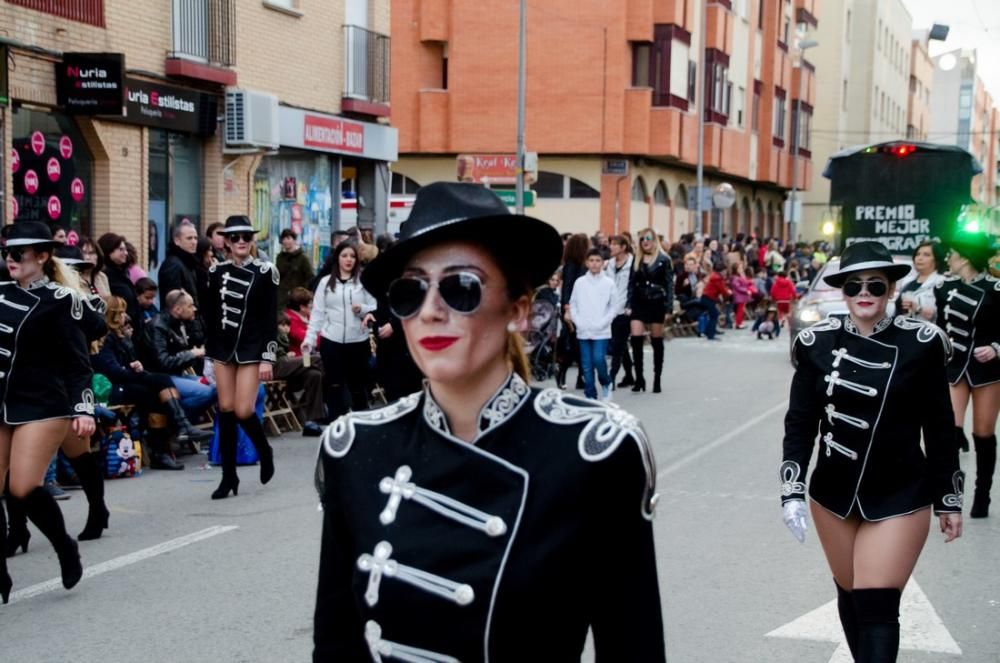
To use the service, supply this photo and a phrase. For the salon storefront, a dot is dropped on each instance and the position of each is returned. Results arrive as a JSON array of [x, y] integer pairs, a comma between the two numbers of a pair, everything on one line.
[[330, 173]]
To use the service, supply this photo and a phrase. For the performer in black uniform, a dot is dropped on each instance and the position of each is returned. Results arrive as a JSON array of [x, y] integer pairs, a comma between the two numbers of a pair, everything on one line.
[[871, 384], [464, 522], [651, 298], [44, 384], [242, 322], [968, 309]]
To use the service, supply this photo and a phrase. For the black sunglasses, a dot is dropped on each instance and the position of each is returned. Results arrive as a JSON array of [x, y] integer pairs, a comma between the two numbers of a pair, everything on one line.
[[240, 237], [14, 254], [875, 288], [462, 292]]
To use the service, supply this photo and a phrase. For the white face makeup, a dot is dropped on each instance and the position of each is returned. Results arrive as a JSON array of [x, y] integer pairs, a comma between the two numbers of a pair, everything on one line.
[[866, 307]]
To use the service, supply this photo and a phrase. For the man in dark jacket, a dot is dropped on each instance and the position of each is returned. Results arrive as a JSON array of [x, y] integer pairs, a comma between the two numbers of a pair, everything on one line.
[[293, 266], [178, 271], [176, 347]]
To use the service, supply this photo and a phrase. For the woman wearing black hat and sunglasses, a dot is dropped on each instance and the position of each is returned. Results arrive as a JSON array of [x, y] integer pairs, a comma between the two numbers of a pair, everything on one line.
[[241, 321], [968, 309], [871, 385], [464, 522], [44, 384]]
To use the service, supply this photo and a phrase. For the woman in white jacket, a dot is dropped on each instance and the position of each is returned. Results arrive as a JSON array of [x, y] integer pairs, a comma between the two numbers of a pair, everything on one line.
[[916, 296], [340, 313]]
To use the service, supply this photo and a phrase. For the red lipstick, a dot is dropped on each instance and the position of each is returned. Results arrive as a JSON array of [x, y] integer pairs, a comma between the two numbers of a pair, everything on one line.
[[437, 343]]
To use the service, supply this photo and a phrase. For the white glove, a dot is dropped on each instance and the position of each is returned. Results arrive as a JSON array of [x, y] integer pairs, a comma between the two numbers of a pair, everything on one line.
[[796, 518]]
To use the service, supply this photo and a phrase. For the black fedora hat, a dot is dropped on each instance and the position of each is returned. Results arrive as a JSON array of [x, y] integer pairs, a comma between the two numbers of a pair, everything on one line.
[[453, 211], [238, 224], [27, 233], [863, 256], [72, 255], [977, 248]]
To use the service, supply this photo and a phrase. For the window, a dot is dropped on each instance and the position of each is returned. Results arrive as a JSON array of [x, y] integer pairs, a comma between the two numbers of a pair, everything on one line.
[[654, 65], [801, 126], [755, 108], [403, 185], [741, 94], [692, 94], [639, 192], [779, 117], [913, 84], [84, 11], [548, 185], [641, 56], [718, 89], [660, 195], [580, 189], [760, 15]]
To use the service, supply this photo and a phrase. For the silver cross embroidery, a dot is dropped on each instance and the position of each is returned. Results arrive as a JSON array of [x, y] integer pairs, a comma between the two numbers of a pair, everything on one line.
[[13, 305], [957, 330], [396, 488], [380, 565], [375, 565], [227, 277], [226, 292], [843, 354], [948, 311], [955, 294]]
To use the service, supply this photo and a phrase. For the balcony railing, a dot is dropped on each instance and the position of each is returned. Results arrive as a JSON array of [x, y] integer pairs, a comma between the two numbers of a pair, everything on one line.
[[366, 65], [205, 31]]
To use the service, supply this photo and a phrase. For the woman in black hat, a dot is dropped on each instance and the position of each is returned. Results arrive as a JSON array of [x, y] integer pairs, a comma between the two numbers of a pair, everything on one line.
[[241, 320], [871, 384], [463, 522], [44, 384], [968, 309]]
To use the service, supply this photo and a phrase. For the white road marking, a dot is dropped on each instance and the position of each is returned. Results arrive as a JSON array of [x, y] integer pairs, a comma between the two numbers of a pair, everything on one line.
[[719, 441], [125, 560], [920, 627]]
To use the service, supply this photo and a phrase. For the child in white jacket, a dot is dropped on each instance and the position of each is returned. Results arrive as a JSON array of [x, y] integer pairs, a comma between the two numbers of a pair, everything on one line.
[[591, 309]]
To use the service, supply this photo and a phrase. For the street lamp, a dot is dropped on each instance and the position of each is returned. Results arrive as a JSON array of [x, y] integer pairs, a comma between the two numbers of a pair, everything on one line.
[[792, 220]]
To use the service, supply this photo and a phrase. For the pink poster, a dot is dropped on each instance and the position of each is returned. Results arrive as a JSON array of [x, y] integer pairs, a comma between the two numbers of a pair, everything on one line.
[[65, 147], [76, 189], [54, 207], [30, 181], [53, 170], [15, 161], [38, 143]]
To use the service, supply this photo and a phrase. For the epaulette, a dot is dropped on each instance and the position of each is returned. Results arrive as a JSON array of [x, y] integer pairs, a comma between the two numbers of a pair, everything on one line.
[[926, 332], [607, 426], [60, 292], [264, 266], [808, 335]]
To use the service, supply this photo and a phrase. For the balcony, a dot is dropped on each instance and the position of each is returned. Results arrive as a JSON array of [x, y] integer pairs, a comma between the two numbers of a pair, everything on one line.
[[366, 72], [204, 41]]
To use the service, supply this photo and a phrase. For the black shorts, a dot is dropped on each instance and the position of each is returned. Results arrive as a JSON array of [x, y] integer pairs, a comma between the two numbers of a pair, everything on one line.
[[649, 312]]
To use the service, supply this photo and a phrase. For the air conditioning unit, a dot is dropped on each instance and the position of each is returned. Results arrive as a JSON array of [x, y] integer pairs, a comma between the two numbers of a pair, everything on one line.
[[251, 121]]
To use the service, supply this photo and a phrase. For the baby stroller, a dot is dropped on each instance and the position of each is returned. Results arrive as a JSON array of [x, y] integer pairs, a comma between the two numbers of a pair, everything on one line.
[[540, 338]]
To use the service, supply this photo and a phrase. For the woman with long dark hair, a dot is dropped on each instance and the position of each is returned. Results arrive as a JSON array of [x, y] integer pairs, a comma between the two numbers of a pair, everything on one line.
[[651, 298], [573, 267], [968, 309], [460, 521], [874, 387], [45, 384], [241, 320], [916, 297], [341, 310]]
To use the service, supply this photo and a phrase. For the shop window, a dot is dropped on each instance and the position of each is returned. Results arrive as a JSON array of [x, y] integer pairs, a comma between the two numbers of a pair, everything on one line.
[[174, 187], [549, 185], [51, 171], [403, 185], [83, 11], [579, 189], [660, 195], [640, 193], [295, 190]]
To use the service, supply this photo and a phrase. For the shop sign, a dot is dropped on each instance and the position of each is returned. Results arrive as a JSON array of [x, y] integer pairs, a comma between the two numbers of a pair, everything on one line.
[[53, 170], [169, 107], [31, 181], [614, 167], [333, 134], [54, 207], [91, 83], [495, 168], [76, 189]]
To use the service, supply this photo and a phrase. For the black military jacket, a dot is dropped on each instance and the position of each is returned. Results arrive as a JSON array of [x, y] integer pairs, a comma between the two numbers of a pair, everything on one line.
[[504, 549], [970, 314], [241, 316], [44, 362], [871, 397]]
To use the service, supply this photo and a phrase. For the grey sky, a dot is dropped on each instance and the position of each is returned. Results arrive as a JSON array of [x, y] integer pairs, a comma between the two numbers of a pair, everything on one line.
[[973, 23]]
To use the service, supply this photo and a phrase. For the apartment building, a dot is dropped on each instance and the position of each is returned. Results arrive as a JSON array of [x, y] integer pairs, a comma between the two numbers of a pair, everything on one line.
[[611, 105], [918, 107], [132, 115], [963, 113], [863, 96]]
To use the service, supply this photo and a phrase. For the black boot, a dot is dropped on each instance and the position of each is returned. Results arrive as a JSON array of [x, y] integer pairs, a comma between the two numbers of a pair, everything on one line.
[[848, 618], [45, 513], [877, 611], [227, 449], [637, 363], [961, 441], [92, 480], [5, 582], [185, 431], [657, 343], [561, 376], [18, 534], [986, 460], [159, 442], [255, 431]]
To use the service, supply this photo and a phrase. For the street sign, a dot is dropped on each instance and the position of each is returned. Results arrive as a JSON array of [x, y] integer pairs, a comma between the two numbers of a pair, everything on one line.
[[495, 168], [509, 197], [614, 167], [706, 198]]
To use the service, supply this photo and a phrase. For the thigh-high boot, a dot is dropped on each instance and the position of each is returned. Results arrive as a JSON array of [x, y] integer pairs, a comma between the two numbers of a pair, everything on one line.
[[986, 460], [92, 480], [657, 343], [227, 451], [255, 431], [637, 362], [44, 512], [877, 610]]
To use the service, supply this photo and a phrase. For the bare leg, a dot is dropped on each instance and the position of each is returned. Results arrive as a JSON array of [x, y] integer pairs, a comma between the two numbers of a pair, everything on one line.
[[959, 403], [837, 538], [985, 403]]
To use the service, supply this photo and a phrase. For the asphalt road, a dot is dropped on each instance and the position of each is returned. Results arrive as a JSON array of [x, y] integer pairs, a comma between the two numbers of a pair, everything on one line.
[[179, 577]]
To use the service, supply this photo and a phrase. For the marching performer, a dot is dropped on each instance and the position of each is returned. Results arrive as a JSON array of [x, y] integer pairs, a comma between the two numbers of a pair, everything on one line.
[[44, 384], [462, 522], [871, 385], [968, 309], [241, 321]]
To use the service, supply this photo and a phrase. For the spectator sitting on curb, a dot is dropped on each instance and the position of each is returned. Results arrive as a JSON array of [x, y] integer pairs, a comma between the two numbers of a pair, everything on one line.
[[145, 294]]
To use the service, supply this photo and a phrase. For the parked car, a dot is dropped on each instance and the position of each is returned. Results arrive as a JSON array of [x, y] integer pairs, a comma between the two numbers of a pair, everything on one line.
[[822, 301]]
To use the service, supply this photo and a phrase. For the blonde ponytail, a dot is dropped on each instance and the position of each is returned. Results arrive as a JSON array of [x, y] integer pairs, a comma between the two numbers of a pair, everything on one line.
[[516, 357], [61, 273]]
